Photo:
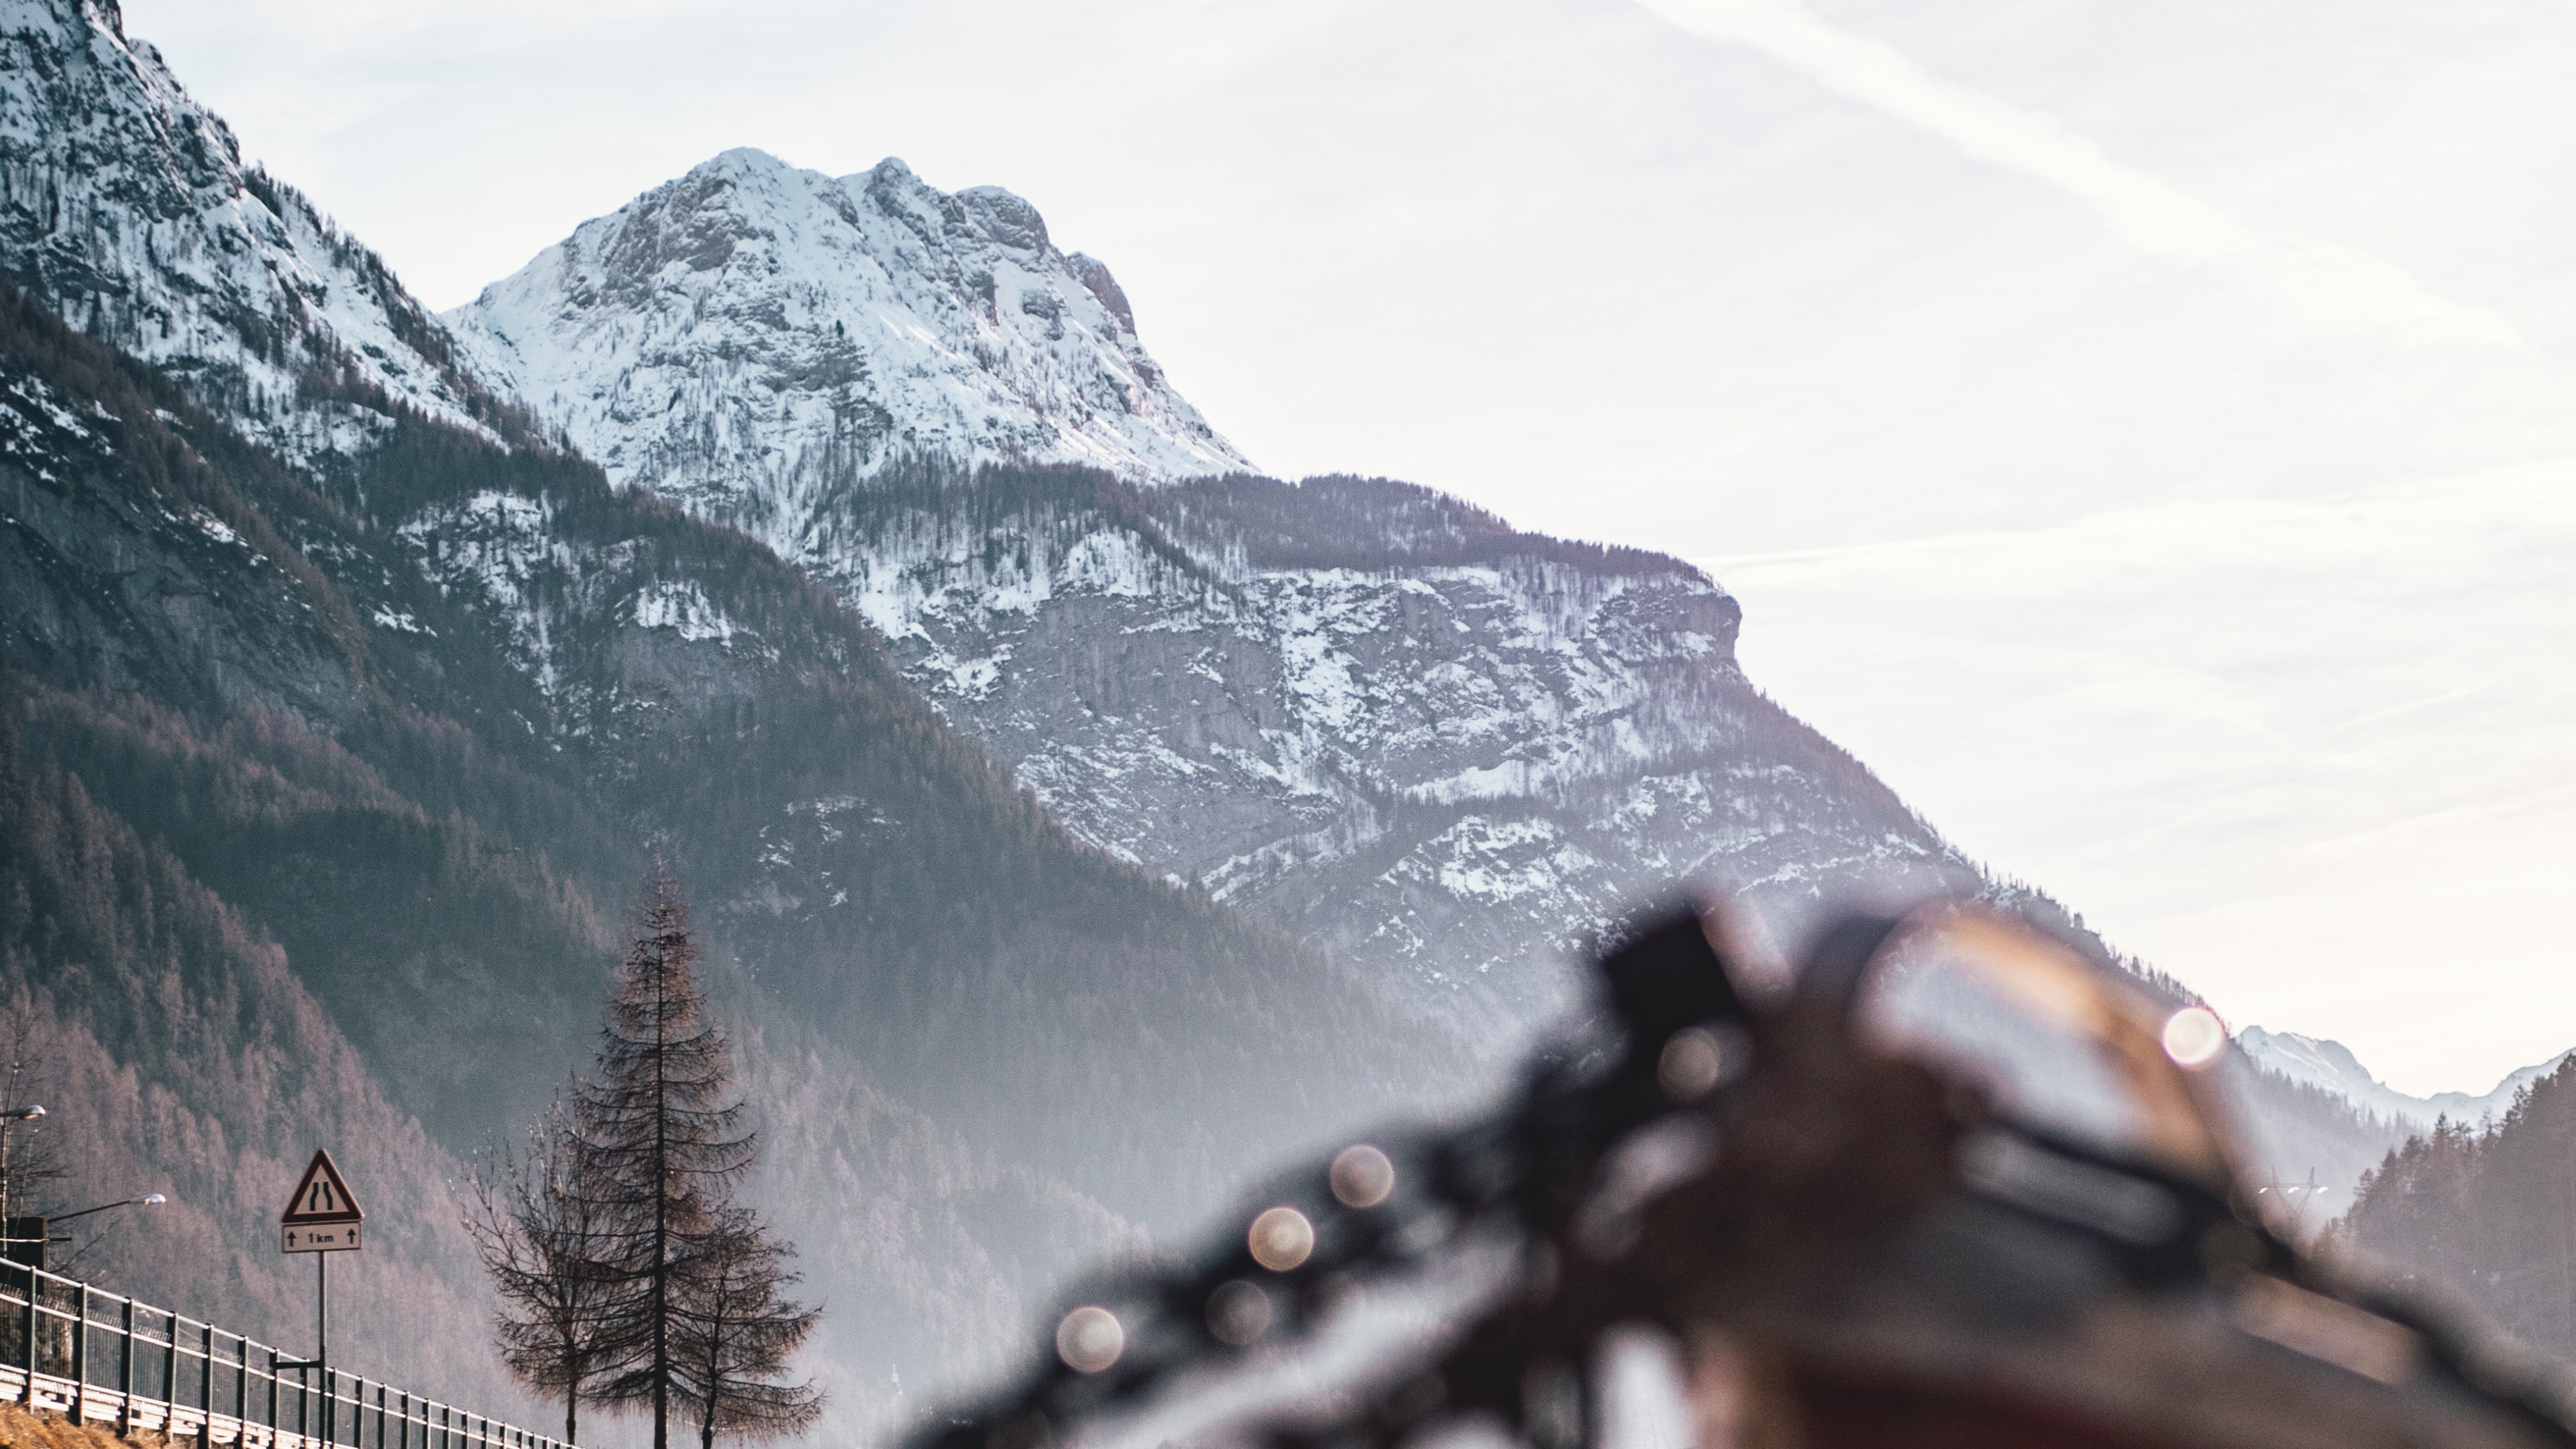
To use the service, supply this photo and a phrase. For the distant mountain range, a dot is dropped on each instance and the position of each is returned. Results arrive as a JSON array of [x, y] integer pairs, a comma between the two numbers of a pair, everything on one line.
[[2331, 1066], [1079, 820]]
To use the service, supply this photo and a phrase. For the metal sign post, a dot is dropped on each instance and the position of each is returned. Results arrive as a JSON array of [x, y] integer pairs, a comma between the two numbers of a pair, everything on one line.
[[322, 1218]]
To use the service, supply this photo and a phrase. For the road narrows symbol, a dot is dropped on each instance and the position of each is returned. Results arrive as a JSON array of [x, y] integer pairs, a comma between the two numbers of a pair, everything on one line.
[[322, 1216]]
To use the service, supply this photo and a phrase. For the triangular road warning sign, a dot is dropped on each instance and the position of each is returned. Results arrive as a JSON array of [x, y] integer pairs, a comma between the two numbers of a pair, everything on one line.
[[322, 1197]]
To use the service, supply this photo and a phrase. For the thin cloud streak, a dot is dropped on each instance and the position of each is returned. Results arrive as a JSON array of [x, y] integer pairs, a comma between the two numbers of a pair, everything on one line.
[[2335, 283]]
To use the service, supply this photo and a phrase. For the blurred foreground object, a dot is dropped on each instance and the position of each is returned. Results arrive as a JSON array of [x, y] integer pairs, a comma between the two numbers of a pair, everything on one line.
[[1948, 1183]]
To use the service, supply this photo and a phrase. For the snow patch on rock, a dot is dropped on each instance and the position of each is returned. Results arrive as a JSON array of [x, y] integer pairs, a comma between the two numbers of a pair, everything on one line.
[[125, 207], [684, 607]]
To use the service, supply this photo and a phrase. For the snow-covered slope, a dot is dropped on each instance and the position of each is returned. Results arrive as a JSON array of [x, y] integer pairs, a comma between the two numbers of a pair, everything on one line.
[[2332, 1066], [743, 336], [125, 206]]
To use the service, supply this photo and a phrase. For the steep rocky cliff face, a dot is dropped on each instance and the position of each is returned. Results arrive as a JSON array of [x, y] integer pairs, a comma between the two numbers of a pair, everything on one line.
[[1372, 714], [1445, 749], [125, 207]]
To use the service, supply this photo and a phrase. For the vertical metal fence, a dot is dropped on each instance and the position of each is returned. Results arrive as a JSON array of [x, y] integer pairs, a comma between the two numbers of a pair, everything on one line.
[[100, 1358]]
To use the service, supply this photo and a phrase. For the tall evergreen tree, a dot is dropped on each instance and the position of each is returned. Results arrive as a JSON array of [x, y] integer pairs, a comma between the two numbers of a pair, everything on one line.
[[661, 1136], [551, 1247], [736, 1334]]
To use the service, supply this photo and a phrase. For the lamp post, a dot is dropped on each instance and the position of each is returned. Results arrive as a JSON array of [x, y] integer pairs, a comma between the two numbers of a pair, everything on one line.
[[28, 1236], [152, 1199], [16, 1250], [8, 1119]]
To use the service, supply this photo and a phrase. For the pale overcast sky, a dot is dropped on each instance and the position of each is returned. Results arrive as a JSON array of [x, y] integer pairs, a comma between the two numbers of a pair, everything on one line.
[[2142, 432]]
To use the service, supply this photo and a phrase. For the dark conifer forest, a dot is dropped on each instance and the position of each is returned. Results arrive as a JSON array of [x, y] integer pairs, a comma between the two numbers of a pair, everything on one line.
[[2483, 1214]]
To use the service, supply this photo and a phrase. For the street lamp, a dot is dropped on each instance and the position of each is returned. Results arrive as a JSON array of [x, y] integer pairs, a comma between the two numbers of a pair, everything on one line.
[[11, 1116], [147, 1200], [27, 1237]]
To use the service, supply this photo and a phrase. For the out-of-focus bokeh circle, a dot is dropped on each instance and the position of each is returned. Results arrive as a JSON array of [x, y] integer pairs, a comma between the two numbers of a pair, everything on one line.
[[1238, 1313], [1362, 1176], [1281, 1238], [1089, 1339], [2194, 1035], [1690, 1064]]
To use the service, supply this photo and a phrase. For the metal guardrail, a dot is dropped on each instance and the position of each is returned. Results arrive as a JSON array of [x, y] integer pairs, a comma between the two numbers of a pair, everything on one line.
[[101, 1358]]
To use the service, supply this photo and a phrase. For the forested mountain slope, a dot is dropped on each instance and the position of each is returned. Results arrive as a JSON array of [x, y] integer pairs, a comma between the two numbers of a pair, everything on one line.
[[2479, 1213], [177, 1053], [426, 734], [417, 696]]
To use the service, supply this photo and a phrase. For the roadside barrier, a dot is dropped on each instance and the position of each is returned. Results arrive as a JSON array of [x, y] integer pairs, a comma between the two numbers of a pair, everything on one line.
[[101, 1358]]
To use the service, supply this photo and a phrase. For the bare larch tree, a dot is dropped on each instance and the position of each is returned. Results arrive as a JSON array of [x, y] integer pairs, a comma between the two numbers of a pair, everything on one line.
[[736, 1334], [553, 1249]]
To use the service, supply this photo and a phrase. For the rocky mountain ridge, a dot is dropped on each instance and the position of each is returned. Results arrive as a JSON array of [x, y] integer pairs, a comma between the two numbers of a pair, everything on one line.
[[411, 695], [420, 752], [412, 692], [752, 340]]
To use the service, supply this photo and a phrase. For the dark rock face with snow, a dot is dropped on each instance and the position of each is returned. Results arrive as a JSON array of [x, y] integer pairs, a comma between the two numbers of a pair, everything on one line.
[[386, 700], [413, 755], [125, 206], [1371, 713]]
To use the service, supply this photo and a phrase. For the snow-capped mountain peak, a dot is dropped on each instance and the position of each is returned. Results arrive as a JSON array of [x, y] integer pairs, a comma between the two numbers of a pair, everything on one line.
[[744, 337]]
